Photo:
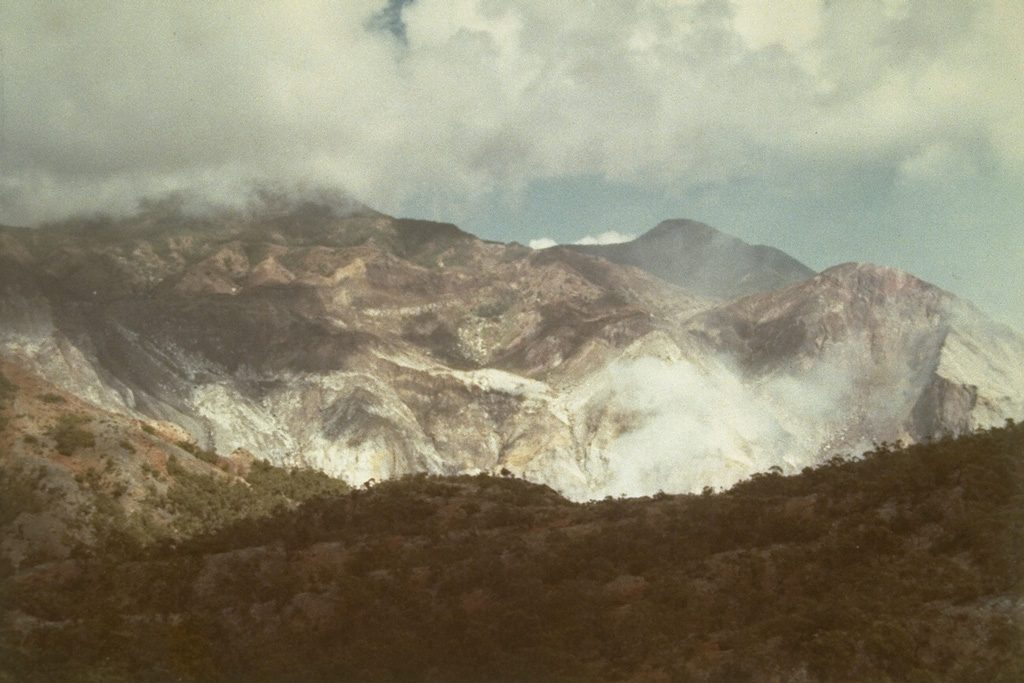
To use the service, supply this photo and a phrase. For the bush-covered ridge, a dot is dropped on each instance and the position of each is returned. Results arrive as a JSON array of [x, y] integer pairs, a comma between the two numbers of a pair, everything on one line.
[[906, 564], [76, 481]]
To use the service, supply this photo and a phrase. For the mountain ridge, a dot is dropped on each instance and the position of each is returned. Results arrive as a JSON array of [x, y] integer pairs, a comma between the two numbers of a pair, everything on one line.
[[370, 347]]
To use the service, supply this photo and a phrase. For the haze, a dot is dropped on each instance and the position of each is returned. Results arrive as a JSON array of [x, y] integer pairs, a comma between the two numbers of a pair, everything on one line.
[[886, 132]]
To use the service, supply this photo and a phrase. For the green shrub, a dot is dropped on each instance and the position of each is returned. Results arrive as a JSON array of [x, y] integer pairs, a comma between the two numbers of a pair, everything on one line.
[[208, 456], [7, 391], [206, 503], [19, 492], [295, 484], [70, 435], [7, 388]]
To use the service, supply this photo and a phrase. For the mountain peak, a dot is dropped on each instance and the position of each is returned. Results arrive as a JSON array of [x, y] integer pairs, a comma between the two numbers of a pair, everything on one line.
[[683, 228], [706, 261]]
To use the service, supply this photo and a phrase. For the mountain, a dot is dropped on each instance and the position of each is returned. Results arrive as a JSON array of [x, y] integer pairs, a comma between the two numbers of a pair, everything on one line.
[[338, 339], [703, 260], [361, 345], [871, 333]]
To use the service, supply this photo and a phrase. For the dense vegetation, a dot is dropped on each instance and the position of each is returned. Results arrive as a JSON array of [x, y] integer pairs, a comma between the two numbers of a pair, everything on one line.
[[903, 565], [204, 504], [195, 503]]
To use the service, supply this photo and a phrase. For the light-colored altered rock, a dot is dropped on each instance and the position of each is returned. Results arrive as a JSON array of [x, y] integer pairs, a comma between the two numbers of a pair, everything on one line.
[[370, 348]]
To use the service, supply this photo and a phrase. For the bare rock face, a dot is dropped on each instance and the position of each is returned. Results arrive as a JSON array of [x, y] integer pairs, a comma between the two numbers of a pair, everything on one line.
[[369, 347], [911, 360]]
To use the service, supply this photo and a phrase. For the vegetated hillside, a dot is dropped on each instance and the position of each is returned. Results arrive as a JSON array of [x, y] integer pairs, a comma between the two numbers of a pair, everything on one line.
[[903, 565], [77, 481]]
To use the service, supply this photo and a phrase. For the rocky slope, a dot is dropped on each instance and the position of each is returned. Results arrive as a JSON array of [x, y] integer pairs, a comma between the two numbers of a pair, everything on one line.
[[370, 347], [361, 345], [941, 364]]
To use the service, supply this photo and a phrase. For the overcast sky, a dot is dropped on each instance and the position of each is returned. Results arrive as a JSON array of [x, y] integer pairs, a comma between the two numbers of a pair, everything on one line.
[[887, 131]]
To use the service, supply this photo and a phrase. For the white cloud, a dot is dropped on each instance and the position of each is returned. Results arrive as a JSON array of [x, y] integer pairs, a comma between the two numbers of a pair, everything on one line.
[[108, 99], [937, 162], [610, 237]]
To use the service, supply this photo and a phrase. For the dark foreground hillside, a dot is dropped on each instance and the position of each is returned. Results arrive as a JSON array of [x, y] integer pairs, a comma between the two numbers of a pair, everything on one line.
[[905, 565]]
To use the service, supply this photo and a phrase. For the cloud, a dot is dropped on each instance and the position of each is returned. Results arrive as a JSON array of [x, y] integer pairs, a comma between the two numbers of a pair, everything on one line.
[[398, 101], [610, 237], [938, 162]]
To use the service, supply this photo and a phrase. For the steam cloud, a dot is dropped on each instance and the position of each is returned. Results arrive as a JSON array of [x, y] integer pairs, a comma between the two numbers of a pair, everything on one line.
[[695, 424]]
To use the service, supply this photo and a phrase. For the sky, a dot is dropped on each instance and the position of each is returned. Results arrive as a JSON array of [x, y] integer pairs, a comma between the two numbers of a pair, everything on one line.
[[883, 131]]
